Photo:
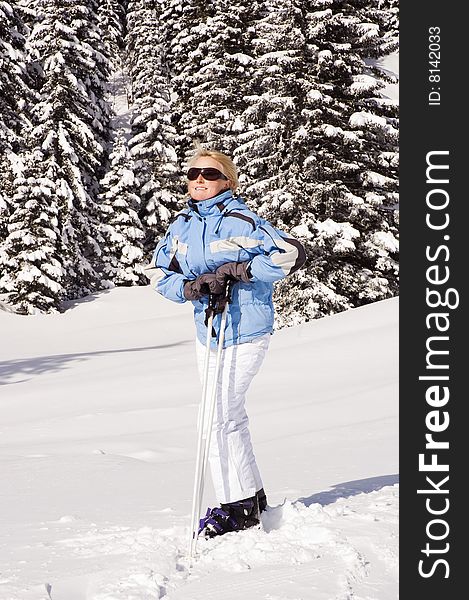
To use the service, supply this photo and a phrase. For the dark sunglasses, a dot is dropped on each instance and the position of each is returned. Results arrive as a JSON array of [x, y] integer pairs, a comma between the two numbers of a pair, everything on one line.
[[208, 173]]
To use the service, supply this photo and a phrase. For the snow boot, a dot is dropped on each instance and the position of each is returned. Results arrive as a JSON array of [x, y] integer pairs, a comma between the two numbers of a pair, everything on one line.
[[262, 500], [234, 516], [244, 512], [216, 522]]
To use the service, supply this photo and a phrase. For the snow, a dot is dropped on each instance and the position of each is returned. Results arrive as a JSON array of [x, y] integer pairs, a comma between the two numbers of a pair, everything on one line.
[[362, 119], [97, 446], [302, 231], [370, 178], [390, 65], [243, 59], [314, 95], [386, 241], [362, 83], [330, 228], [331, 131], [119, 99]]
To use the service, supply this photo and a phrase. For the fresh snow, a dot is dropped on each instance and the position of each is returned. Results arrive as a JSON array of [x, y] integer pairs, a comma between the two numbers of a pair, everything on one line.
[[120, 100], [389, 64], [97, 451]]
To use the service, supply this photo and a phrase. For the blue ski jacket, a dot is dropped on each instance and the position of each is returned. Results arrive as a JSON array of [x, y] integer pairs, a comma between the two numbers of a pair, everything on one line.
[[219, 230]]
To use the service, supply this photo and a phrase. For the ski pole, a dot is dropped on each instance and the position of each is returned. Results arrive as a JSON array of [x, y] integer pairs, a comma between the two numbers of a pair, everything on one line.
[[196, 497], [203, 457], [213, 399]]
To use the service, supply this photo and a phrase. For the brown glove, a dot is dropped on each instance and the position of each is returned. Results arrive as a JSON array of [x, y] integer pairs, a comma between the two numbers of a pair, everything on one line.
[[238, 271], [203, 286]]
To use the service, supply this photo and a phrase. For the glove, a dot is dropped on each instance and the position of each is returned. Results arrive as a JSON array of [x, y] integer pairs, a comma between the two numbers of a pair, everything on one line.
[[238, 271], [209, 284], [203, 286]]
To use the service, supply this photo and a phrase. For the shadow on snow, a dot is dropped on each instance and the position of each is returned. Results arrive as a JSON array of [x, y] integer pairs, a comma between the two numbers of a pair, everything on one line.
[[42, 364], [350, 488]]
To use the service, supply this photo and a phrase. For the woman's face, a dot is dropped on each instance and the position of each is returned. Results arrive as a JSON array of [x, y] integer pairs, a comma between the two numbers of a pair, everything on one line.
[[202, 189]]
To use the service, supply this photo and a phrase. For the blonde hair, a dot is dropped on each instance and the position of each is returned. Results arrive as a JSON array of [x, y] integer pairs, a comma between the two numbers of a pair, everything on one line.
[[229, 168]]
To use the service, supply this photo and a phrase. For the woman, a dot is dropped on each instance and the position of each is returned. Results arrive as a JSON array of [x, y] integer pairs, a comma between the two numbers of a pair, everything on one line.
[[214, 239]]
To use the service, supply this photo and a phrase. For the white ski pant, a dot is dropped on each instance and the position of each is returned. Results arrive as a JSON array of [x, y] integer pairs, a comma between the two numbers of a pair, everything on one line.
[[235, 474]]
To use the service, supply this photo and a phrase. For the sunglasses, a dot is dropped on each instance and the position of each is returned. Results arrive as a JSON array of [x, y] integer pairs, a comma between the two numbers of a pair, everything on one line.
[[208, 173]]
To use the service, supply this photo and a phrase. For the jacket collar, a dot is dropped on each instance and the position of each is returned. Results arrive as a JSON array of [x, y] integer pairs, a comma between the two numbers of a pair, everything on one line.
[[212, 206]]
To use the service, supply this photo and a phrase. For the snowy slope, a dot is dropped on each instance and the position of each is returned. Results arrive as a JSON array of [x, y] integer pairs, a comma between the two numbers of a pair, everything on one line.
[[389, 64], [97, 442]]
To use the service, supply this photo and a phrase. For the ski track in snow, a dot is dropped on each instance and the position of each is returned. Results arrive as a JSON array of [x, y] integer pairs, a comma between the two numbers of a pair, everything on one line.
[[309, 548]]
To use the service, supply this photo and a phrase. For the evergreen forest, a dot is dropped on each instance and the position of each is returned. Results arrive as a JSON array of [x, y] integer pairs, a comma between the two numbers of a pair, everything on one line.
[[102, 101]]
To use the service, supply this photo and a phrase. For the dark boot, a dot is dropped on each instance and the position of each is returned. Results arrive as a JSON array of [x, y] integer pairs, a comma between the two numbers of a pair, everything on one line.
[[216, 522], [233, 516], [262, 500], [244, 512]]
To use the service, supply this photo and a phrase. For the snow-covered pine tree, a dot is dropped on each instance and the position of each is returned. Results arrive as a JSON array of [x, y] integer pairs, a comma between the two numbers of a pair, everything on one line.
[[208, 51], [31, 12], [15, 98], [273, 96], [72, 128], [382, 21], [112, 24], [32, 273], [347, 158], [152, 143], [280, 84], [95, 77], [121, 229]]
